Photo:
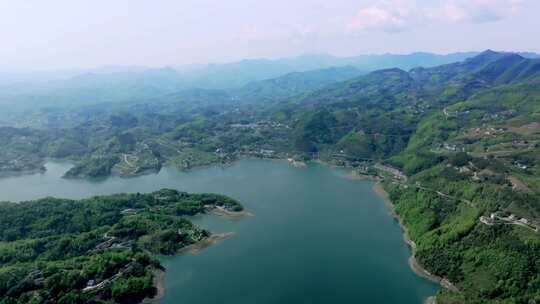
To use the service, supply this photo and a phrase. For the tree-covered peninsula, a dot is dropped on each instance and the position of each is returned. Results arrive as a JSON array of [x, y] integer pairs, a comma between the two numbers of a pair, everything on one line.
[[97, 250]]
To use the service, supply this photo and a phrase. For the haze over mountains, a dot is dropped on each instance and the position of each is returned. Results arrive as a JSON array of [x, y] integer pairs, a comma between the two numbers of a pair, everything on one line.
[[116, 84]]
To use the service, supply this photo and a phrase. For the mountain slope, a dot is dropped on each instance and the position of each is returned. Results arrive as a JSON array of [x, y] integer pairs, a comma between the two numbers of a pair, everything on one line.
[[294, 84]]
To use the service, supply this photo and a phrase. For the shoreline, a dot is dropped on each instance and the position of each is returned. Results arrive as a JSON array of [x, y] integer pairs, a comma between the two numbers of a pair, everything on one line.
[[205, 243], [232, 215], [11, 174], [159, 274], [431, 300], [355, 175], [158, 281], [415, 266], [166, 164]]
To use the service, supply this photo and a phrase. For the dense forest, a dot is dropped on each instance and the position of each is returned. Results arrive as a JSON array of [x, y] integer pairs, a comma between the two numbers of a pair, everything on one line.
[[97, 250]]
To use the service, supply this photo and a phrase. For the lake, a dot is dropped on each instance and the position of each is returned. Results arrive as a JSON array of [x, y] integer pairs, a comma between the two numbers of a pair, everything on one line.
[[316, 235]]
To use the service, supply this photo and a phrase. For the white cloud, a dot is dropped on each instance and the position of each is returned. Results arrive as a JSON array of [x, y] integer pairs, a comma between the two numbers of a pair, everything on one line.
[[477, 11], [400, 15], [390, 16]]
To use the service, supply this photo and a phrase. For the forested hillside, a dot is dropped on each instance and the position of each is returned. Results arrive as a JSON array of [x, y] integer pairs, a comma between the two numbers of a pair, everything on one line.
[[467, 135]]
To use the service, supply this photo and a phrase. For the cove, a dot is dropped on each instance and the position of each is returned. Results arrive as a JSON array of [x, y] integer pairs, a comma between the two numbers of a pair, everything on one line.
[[316, 236]]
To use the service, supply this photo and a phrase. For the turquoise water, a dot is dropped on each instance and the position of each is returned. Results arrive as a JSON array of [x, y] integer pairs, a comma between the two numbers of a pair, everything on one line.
[[316, 236]]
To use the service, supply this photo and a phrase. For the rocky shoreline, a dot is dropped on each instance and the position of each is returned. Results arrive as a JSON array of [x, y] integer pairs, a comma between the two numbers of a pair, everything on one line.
[[220, 211], [159, 284], [205, 243]]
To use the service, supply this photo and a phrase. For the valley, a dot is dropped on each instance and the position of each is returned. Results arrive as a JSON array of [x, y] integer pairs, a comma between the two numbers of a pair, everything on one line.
[[452, 144]]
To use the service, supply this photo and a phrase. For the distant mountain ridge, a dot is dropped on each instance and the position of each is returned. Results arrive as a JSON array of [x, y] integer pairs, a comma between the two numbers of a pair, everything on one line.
[[251, 70], [294, 83], [487, 69], [277, 78], [242, 72]]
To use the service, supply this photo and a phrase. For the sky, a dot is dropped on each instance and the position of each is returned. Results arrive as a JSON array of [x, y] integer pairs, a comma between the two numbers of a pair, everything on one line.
[[63, 34]]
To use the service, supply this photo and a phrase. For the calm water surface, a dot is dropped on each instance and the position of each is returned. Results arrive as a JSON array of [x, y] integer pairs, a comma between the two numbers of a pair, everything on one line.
[[315, 237]]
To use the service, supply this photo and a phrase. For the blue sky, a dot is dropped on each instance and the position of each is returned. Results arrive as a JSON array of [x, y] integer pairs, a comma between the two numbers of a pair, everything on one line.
[[56, 34]]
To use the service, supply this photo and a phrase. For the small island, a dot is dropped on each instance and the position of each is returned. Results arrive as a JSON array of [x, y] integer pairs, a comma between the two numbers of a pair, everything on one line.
[[98, 250]]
